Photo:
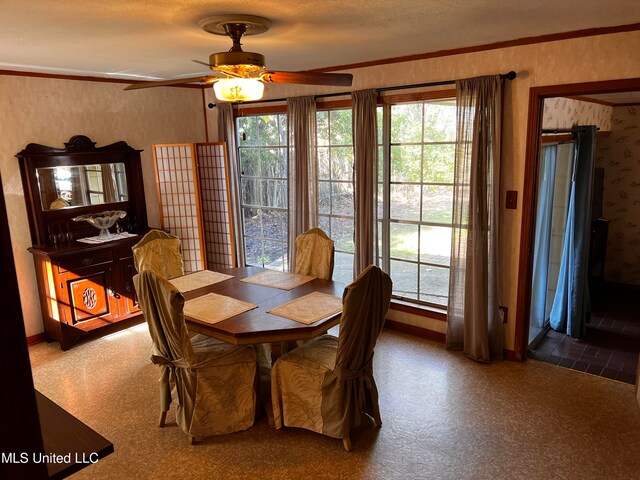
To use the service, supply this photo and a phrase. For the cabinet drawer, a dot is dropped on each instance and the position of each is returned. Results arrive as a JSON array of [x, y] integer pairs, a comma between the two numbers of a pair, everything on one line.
[[84, 260]]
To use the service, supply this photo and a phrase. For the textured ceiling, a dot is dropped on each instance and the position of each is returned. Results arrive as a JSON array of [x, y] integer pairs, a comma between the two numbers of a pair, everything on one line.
[[156, 39]]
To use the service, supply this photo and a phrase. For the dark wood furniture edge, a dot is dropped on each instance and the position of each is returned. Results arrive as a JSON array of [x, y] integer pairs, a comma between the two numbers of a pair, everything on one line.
[[64, 434], [76, 144]]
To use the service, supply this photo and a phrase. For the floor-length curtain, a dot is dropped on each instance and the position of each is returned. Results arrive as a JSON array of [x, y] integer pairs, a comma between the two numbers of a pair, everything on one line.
[[474, 321], [303, 211], [542, 242], [365, 152], [571, 306], [227, 134]]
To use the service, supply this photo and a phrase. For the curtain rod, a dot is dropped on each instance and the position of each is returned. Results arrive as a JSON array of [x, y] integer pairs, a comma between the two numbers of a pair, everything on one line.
[[564, 130], [504, 76]]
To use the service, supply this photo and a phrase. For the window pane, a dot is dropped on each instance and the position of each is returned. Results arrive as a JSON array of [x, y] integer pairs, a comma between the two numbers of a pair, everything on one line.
[[342, 163], [342, 198], [406, 123], [267, 193], [405, 202], [323, 163], [379, 114], [247, 131], [273, 255], [405, 279], [272, 225], [268, 130], [340, 127], [253, 250], [434, 285], [440, 121], [343, 269], [250, 194], [325, 225], [322, 128], [262, 143], [252, 223], [274, 162], [276, 193], [249, 162], [404, 241], [435, 245], [437, 203], [324, 198], [439, 163], [406, 163], [342, 234]]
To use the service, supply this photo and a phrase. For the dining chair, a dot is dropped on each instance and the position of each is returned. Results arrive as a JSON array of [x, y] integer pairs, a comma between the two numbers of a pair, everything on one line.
[[314, 254], [212, 382], [161, 252], [327, 385]]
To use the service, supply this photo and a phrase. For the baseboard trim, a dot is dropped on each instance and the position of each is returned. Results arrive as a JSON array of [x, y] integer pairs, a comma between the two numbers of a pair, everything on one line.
[[415, 331], [37, 338]]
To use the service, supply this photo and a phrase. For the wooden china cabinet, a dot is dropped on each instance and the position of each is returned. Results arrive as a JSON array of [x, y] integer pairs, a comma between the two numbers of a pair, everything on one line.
[[83, 287]]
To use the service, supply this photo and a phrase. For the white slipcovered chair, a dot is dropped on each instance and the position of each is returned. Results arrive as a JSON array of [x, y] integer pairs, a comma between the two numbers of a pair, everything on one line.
[[314, 254], [160, 252], [327, 385], [212, 382]]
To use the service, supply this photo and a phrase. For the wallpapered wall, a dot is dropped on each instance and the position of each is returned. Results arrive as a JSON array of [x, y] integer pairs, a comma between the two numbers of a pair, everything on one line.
[[619, 154], [562, 112]]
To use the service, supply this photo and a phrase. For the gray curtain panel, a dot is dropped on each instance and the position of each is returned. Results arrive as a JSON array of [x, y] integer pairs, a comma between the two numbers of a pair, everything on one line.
[[227, 133], [303, 168], [474, 322], [365, 177]]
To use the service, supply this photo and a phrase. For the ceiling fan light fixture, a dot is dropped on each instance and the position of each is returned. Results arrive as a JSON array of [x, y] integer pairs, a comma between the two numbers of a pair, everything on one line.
[[238, 89]]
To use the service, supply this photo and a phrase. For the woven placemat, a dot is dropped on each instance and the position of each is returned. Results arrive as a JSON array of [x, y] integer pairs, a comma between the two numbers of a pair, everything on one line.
[[213, 308], [196, 280], [281, 280], [310, 308]]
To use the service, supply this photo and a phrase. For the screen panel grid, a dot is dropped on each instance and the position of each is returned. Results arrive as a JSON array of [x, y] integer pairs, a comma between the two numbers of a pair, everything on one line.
[[214, 196], [179, 200]]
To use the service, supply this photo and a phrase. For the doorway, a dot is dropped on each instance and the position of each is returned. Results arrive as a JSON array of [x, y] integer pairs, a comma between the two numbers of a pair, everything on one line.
[[610, 347]]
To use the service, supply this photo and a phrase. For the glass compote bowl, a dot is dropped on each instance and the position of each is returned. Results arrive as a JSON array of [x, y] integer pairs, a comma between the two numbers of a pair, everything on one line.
[[102, 221]]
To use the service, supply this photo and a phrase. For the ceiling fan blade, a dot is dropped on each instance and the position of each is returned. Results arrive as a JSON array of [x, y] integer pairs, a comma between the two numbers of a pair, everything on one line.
[[203, 63], [175, 81], [308, 78]]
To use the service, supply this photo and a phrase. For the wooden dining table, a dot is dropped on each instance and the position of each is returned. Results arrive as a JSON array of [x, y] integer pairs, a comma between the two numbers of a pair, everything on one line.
[[257, 326]]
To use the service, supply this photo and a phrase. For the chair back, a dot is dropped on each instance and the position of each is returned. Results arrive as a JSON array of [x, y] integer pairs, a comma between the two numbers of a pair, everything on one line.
[[365, 305], [162, 305], [315, 254], [160, 252]]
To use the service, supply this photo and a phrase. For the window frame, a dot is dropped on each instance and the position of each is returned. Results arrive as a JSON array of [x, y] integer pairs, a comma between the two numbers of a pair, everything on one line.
[[283, 241], [385, 258], [384, 224]]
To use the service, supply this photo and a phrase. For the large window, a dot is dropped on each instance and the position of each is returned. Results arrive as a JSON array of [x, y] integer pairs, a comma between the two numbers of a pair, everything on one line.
[[262, 141], [335, 186], [417, 192], [416, 161]]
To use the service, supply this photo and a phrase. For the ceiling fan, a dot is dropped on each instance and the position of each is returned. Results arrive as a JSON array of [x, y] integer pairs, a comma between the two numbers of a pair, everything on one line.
[[240, 75]]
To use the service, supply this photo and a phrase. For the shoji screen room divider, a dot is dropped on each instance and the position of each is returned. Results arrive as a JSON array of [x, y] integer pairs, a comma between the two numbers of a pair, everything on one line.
[[193, 189]]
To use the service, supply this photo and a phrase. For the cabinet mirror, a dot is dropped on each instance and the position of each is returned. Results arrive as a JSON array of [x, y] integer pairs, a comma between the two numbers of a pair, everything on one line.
[[81, 185]]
